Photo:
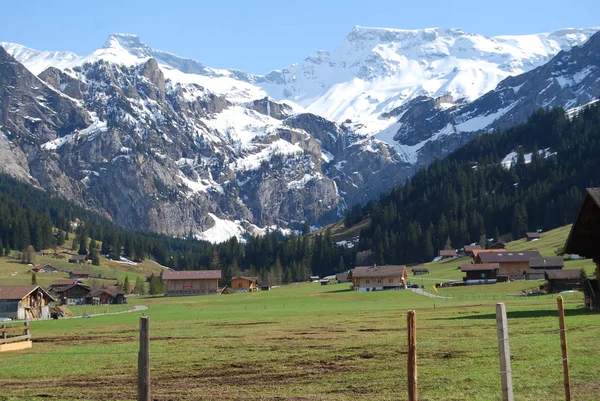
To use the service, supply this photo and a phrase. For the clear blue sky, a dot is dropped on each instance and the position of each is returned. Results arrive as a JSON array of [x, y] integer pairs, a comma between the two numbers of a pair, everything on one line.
[[261, 35]]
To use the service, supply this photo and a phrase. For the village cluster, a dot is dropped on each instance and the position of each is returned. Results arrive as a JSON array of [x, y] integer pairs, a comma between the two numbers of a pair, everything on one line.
[[488, 266]]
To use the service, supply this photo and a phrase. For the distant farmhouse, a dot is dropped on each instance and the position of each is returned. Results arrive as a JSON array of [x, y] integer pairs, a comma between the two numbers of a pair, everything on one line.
[[78, 259], [470, 248], [584, 240], [376, 278], [106, 296], [79, 275], [447, 253], [532, 236], [198, 282], [482, 273], [71, 294], [26, 302], [44, 268], [342, 277], [418, 271], [244, 284]]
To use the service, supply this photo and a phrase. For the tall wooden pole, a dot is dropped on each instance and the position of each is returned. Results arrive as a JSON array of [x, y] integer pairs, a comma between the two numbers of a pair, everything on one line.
[[504, 351], [563, 346], [144, 361], [412, 356]]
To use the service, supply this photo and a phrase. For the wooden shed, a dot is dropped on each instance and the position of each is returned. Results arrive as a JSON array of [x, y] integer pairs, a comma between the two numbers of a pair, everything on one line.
[[547, 263], [26, 302], [563, 280], [447, 253], [106, 296], [418, 271], [532, 236], [470, 248]]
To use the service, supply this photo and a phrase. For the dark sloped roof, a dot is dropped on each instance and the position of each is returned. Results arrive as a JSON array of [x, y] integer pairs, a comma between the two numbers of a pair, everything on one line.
[[584, 238], [572, 274], [191, 275], [20, 292], [471, 248], [68, 287], [479, 267], [58, 283], [112, 290], [502, 257], [447, 252], [533, 235], [378, 271], [545, 262], [78, 257]]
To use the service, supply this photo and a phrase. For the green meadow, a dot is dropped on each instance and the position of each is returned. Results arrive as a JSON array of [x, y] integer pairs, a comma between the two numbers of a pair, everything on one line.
[[312, 342]]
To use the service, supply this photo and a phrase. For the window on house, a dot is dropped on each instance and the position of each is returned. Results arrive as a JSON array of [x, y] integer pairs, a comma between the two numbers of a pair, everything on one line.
[[379, 281], [368, 281], [391, 280]]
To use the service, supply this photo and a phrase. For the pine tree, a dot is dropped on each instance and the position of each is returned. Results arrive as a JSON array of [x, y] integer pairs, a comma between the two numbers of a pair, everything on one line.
[[60, 237], [306, 228], [139, 286], [27, 255], [1, 248], [448, 245], [82, 244], [126, 286], [341, 265], [33, 279], [94, 257]]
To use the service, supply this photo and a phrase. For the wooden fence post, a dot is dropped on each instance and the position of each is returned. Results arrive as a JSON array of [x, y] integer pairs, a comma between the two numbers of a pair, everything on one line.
[[412, 356], [27, 332], [144, 361], [3, 331], [563, 346], [504, 350]]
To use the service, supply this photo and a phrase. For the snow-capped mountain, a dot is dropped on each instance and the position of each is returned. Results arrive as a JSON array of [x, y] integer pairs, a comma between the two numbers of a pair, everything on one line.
[[165, 143]]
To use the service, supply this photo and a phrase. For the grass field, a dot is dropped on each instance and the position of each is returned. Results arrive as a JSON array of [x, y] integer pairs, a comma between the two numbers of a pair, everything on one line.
[[312, 342]]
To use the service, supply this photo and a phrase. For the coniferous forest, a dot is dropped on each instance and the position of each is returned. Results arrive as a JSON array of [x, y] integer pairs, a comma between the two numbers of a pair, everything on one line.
[[470, 196], [467, 197]]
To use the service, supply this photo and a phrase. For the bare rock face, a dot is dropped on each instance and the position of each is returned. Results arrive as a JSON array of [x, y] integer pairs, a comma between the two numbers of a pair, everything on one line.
[[160, 156]]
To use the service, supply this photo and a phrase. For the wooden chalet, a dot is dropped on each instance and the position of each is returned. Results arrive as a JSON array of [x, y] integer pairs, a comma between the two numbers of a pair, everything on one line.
[[512, 264], [482, 273], [79, 275], [563, 280], [106, 296], [532, 236], [26, 302], [584, 240], [470, 248], [447, 253], [244, 284], [78, 259], [198, 282], [418, 271], [376, 278], [73, 294], [547, 263]]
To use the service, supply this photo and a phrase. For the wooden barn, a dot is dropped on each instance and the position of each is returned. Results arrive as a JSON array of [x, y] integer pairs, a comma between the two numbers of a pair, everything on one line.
[[62, 283], [532, 236], [44, 268], [447, 253], [563, 280], [78, 259], [535, 274], [244, 284], [342, 277], [584, 240], [79, 275], [512, 264], [26, 302], [376, 278], [498, 245], [198, 282], [547, 263], [418, 271], [483, 273]]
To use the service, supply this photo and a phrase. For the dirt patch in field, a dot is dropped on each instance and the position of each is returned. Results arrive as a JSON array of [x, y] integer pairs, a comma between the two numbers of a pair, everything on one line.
[[83, 340], [243, 324]]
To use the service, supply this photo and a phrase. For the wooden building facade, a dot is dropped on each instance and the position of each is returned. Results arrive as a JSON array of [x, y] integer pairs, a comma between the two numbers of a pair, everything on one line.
[[482, 273], [26, 302], [377, 278], [199, 282], [244, 284]]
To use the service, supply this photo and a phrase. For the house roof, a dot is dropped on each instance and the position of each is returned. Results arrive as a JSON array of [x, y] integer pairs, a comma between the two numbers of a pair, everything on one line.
[[503, 257], [584, 238], [81, 273], [252, 279], [533, 235], [378, 271], [572, 274], [68, 287], [112, 290], [545, 262], [420, 269], [58, 283], [20, 292], [78, 257], [447, 252], [479, 267], [45, 265], [191, 275], [471, 248]]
